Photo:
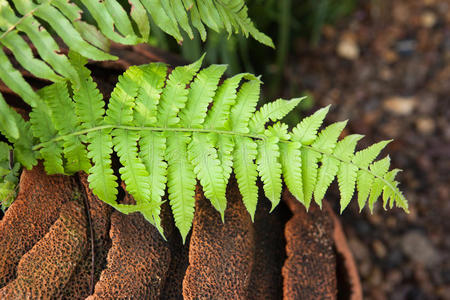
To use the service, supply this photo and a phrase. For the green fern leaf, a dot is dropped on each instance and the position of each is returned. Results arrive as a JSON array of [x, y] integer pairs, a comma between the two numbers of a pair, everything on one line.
[[89, 104], [150, 80], [325, 143], [25, 57], [310, 158], [201, 93], [120, 112], [269, 168], [181, 16], [225, 147], [272, 111], [306, 131], [292, 168], [14, 80], [67, 32], [246, 172], [120, 18], [180, 182], [389, 193], [8, 125], [153, 149], [235, 12], [364, 182], [133, 172], [105, 22], [364, 157], [175, 94], [246, 101], [139, 16], [44, 129], [224, 99], [207, 167], [327, 138], [66, 122], [325, 177], [9, 177], [195, 17], [101, 178], [346, 178], [159, 15], [46, 47]]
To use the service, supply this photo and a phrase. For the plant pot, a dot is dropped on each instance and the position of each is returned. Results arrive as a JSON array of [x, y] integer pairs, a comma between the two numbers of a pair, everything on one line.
[[58, 241]]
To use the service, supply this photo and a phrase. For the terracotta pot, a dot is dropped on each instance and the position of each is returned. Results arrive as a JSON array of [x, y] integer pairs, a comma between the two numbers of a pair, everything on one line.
[[58, 241]]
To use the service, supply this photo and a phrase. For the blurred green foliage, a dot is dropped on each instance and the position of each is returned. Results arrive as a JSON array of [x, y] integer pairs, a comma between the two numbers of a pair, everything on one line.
[[282, 20]]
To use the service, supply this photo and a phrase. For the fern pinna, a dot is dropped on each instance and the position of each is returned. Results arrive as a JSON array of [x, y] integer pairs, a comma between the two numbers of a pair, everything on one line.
[[169, 129]]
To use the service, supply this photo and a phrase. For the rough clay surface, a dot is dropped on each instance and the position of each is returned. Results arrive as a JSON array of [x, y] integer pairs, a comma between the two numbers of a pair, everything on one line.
[[179, 260], [35, 209], [137, 262], [45, 269], [80, 284], [309, 271], [221, 254], [235, 260], [266, 281]]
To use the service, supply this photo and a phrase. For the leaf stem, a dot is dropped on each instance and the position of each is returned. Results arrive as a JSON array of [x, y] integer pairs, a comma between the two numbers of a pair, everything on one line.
[[135, 128]]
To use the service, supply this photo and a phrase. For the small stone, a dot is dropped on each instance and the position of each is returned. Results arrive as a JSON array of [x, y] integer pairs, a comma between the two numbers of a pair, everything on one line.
[[400, 105], [359, 249], [420, 249], [376, 278], [379, 248], [428, 19], [425, 125], [348, 47]]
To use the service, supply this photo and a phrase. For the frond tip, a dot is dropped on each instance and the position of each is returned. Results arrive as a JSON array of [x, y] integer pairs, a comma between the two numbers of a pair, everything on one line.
[[165, 136]]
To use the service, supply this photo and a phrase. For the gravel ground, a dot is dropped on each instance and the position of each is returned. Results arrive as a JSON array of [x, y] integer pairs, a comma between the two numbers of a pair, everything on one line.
[[387, 69]]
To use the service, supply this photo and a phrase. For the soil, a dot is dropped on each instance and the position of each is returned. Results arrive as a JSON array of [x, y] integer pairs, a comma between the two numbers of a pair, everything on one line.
[[386, 68]]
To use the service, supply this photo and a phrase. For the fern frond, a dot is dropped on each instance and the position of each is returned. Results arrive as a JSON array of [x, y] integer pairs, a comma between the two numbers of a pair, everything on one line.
[[175, 95], [272, 111], [181, 182], [44, 128], [246, 101], [150, 80], [204, 158], [160, 128], [153, 149], [9, 176], [306, 131], [101, 177], [269, 169], [224, 99], [201, 93], [246, 172], [89, 104], [8, 125], [291, 163], [66, 122], [112, 23]]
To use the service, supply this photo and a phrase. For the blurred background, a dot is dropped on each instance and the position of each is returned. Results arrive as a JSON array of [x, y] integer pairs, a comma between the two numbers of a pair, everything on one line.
[[385, 66]]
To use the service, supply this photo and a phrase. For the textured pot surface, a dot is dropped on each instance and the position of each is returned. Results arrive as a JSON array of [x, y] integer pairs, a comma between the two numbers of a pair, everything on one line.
[[51, 249], [46, 249]]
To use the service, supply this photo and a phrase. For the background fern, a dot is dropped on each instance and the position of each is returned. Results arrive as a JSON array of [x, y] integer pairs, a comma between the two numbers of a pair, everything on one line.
[[87, 27], [165, 136]]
